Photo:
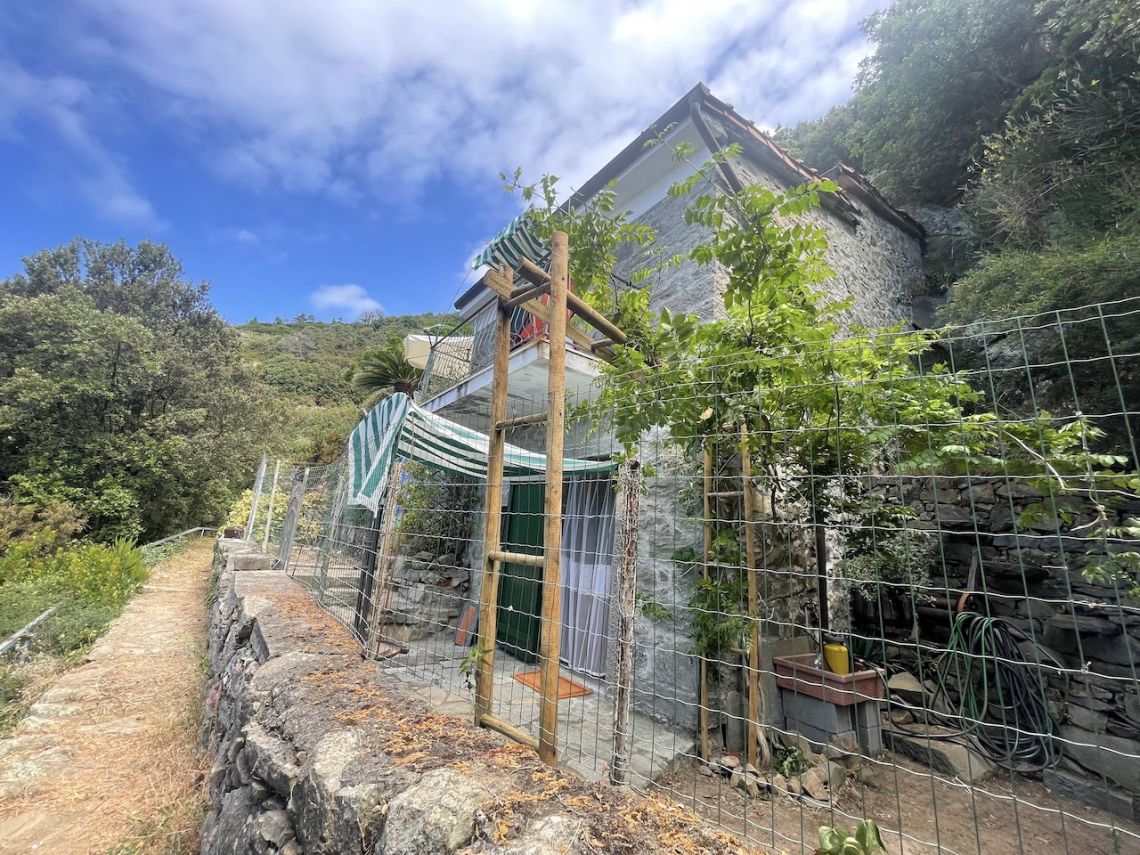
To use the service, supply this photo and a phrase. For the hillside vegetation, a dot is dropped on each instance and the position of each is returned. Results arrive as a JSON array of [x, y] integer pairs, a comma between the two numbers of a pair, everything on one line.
[[307, 367], [1023, 114]]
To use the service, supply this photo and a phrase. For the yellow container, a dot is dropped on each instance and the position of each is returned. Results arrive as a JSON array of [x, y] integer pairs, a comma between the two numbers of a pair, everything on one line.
[[837, 658]]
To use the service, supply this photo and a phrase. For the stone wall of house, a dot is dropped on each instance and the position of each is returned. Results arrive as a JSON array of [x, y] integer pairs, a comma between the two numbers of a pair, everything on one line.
[[875, 262], [1033, 579], [315, 752], [684, 287]]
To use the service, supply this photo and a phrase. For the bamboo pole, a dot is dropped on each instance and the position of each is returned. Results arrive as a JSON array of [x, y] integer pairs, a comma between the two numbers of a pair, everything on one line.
[[269, 511], [550, 638], [492, 523], [627, 606], [757, 744], [703, 698]]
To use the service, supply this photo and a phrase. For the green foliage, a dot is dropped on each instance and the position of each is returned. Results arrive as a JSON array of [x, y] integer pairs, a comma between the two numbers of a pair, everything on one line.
[[89, 582], [1066, 168], [943, 73], [901, 559], [1042, 92], [1038, 284], [21, 522], [308, 366], [865, 841], [123, 392], [438, 510], [597, 231], [93, 572], [655, 611], [1019, 282], [719, 621], [789, 761], [154, 555]]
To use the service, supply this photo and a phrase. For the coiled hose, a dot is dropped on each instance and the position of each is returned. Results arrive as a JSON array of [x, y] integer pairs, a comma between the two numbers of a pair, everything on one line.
[[992, 695], [1001, 695]]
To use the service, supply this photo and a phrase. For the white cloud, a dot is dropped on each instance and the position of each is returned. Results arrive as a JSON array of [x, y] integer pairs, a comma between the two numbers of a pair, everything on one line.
[[360, 97], [350, 300], [59, 102]]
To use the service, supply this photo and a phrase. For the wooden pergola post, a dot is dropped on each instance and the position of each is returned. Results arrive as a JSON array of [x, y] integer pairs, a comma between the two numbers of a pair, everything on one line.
[[492, 520], [550, 637]]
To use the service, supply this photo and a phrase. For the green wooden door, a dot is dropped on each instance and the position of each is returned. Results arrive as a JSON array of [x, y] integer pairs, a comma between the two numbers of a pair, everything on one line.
[[520, 588]]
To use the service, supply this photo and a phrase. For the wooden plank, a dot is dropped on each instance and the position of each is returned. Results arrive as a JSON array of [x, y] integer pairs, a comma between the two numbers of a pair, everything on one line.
[[595, 318], [532, 273], [626, 583], [703, 697], [507, 729], [757, 743], [521, 295], [550, 637], [522, 421], [539, 278], [492, 522], [524, 558]]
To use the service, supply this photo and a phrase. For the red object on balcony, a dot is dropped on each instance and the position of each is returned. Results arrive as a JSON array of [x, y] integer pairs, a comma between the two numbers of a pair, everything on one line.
[[799, 674], [534, 328]]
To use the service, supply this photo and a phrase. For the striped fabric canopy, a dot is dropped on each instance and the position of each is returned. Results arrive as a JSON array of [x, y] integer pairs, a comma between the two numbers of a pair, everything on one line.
[[512, 243], [397, 427]]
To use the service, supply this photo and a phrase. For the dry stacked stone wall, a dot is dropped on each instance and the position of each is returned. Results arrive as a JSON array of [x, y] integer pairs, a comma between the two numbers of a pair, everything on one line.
[[314, 753], [1033, 578]]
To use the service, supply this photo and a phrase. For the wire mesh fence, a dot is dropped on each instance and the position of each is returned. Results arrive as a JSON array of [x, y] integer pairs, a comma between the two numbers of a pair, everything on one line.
[[921, 609]]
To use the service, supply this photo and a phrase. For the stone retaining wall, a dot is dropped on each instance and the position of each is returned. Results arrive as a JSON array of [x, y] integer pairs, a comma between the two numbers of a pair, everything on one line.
[[314, 754], [1033, 579]]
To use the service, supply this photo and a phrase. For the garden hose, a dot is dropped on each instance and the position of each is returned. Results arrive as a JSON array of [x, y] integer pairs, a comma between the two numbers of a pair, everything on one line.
[[1001, 705], [1001, 697]]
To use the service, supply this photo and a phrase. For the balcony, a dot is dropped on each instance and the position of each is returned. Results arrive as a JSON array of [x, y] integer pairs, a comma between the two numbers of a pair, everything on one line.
[[457, 367]]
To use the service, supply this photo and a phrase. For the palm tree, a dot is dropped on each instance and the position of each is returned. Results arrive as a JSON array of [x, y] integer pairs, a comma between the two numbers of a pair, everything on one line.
[[385, 368]]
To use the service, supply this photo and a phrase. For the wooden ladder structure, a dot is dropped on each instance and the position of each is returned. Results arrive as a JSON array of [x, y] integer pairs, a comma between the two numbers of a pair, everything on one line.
[[756, 751], [553, 314]]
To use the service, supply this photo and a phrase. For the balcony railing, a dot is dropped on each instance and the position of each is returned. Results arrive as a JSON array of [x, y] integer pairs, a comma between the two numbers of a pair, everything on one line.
[[468, 347]]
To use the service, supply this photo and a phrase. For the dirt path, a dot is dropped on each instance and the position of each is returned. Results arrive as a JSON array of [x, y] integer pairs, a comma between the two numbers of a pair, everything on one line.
[[107, 759]]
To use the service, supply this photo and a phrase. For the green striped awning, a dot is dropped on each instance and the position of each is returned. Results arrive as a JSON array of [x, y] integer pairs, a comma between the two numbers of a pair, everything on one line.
[[397, 427], [511, 244]]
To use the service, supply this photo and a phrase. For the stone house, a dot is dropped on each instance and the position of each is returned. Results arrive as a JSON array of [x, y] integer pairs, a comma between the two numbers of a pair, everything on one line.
[[875, 250]]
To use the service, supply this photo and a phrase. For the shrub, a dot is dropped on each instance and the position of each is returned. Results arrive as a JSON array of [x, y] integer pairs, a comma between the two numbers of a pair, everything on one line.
[[89, 582], [19, 522]]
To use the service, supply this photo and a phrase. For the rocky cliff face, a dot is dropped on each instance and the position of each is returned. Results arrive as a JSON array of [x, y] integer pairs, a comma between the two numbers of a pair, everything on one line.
[[313, 754]]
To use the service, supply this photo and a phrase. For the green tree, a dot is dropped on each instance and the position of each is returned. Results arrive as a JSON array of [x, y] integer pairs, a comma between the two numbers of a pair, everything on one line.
[[122, 391]]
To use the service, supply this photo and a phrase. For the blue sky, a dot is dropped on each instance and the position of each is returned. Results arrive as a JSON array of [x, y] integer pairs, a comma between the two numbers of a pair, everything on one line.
[[331, 158]]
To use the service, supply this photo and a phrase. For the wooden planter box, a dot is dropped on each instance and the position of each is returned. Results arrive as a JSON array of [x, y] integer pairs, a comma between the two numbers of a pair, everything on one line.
[[800, 675]]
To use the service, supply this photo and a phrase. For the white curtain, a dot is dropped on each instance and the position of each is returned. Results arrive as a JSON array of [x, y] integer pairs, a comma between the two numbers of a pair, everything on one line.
[[587, 556]]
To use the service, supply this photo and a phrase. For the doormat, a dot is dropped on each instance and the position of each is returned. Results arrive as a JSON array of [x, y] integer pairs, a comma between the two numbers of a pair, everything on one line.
[[566, 688]]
